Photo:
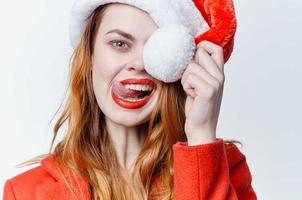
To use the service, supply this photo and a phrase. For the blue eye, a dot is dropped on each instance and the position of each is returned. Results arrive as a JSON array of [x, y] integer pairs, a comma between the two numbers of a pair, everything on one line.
[[119, 44]]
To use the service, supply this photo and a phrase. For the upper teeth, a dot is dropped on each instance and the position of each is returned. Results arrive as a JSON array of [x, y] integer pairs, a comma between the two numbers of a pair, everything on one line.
[[138, 87]]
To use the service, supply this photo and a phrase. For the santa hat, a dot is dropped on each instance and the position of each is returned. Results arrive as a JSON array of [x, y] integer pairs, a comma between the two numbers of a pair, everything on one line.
[[182, 25]]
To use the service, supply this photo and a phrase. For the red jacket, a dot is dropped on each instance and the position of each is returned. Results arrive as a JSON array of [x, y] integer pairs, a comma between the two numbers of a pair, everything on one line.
[[212, 171]]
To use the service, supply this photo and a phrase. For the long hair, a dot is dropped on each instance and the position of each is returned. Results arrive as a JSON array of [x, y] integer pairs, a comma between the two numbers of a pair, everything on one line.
[[88, 142], [87, 148]]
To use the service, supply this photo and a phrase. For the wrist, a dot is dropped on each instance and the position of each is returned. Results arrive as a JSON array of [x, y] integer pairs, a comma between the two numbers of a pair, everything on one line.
[[200, 137]]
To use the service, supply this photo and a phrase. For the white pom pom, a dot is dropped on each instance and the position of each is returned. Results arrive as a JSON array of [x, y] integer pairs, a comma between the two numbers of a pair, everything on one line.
[[168, 51]]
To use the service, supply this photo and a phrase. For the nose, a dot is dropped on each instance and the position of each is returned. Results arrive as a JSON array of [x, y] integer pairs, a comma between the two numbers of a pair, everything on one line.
[[137, 62]]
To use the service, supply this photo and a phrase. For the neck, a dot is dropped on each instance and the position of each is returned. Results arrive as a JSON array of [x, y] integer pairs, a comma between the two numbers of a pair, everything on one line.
[[127, 142]]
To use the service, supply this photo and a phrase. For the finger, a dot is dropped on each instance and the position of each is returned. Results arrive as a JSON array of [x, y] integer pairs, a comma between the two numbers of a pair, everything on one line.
[[204, 59], [202, 73], [215, 51], [195, 86]]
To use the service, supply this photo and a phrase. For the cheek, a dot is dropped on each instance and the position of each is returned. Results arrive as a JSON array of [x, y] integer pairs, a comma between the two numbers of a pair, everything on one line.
[[105, 65], [101, 77]]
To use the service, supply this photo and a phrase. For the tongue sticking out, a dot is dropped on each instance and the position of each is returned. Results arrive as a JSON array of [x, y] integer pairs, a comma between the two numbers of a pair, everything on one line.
[[120, 90]]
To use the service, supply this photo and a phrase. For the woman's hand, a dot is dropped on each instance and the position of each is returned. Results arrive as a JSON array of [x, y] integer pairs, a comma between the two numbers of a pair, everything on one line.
[[203, 82]]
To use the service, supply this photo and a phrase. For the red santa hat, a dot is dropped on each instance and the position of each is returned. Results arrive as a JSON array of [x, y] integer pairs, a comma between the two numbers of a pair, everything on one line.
[[182, 25]]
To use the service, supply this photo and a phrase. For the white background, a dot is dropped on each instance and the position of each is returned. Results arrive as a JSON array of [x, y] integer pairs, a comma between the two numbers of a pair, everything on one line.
[[262, 98]]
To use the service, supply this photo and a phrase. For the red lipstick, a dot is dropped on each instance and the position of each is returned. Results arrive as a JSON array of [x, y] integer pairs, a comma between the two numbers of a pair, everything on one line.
[[144, 81], [134, 105]]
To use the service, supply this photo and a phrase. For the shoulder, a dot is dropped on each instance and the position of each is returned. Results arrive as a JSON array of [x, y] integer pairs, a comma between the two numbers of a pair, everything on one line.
[[36, 182]]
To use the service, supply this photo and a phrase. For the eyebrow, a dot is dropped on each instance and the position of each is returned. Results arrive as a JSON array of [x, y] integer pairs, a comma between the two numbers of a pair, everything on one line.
[[122, 33]]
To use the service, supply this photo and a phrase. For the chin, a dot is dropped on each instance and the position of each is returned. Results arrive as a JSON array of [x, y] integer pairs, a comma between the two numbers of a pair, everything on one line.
[[129, 122]]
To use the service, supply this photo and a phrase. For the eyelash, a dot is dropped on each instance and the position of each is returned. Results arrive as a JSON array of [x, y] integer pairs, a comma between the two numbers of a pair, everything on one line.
[[116, 41]]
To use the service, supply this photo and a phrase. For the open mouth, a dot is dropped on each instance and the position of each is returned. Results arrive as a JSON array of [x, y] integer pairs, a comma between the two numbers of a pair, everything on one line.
[[132, 94]]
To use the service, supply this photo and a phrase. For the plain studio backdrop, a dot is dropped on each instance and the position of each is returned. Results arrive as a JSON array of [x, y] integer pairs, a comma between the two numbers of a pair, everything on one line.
[[261, 105]]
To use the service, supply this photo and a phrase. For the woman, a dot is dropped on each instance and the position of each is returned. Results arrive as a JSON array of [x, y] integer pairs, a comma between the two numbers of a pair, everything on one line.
[[132, 136]]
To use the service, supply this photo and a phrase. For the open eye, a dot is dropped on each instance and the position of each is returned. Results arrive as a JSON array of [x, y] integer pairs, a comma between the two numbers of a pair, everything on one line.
[[119, 44]]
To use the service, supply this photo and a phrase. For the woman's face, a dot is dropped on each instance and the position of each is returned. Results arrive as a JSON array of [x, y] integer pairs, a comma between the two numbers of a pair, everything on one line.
[[118, 56]]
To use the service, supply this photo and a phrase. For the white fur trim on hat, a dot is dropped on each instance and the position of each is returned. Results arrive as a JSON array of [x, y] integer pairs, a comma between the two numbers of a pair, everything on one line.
[[179, 20]]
